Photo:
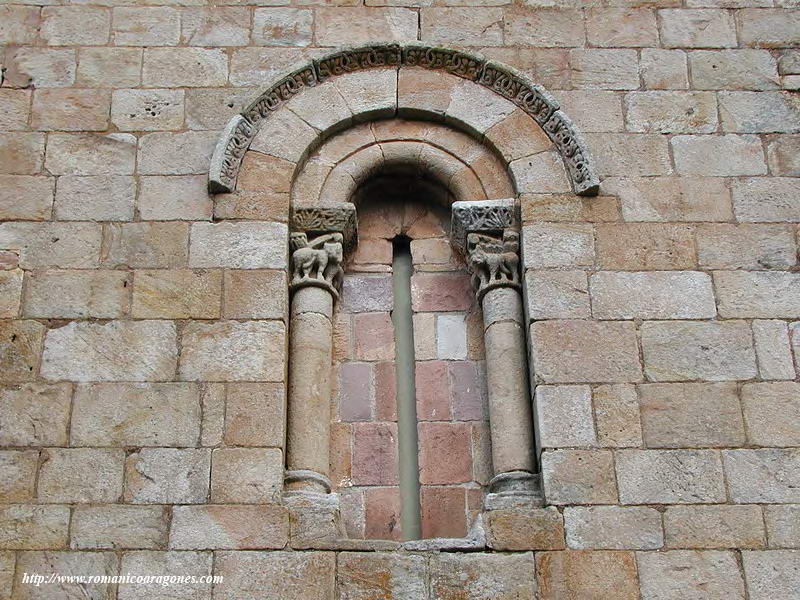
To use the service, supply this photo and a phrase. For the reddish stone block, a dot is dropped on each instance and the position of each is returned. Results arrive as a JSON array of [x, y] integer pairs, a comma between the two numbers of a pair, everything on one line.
[[379, 221], [373, 252], [341, 458], [433, 395], [467, 390], [385, 392], [382, 513], [355, 392], [445, 453], [444, 292], [375, 454], [444, 512], [373, 334]]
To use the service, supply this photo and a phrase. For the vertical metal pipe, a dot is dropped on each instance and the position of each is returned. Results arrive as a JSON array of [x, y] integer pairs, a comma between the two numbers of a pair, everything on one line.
[[410, 513]]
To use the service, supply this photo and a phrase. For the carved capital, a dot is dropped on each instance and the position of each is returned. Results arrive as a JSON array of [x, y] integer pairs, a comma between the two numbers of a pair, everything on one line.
[[494, 261], [491, 217]]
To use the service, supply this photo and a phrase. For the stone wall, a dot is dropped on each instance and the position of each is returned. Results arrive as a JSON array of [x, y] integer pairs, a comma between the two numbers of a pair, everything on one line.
[[143, 321]]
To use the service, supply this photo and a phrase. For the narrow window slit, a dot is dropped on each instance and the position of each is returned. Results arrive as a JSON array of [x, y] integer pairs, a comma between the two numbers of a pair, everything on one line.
[[410, 513]]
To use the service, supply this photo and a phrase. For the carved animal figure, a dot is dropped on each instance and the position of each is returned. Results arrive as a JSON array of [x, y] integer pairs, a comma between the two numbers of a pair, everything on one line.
[[492, 260], [321, 259]]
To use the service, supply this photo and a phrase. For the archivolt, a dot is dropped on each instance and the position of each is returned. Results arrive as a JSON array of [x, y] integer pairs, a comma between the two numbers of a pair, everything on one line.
[[478, 96]]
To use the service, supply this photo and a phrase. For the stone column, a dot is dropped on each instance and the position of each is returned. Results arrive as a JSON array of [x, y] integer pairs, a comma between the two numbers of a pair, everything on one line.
[[316, 278], [485, 232]]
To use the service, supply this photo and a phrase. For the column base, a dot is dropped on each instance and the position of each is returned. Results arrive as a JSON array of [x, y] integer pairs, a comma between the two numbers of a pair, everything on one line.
[[314, 519], [514, 489], [302, 480]]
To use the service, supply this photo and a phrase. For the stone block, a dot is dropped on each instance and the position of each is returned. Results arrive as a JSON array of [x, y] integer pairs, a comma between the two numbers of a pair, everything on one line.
[[265, 573], [671, 198], [612, 355], [111, 351], [255, 414], [33, 414], [81, 475], [42, 245], [7, 564], [597, 575], [40, 67], [525, 529], [90, 154], [238, 245], [482, 576], [195, 566], [664, 69], [246, 475], [265, 174], [772, 28], [690, 574], [19, 24], [563, 416], [745, 246], [451, 337], [783, 525], [783, 153], [75, 25], [216, 26], [212, 401], [136, 414], [432, 391], [759, 112], [375, 459], [146, 245], [33, 527], [547, 28], [772, 573], [225, 527], [772, 413], [282, 27], [616, 410], [557, 294], [604, 69], [547, 245], [693, 415], [21, 153], [721, 526], [733, 70], [26, 197], [255, 66], [184, 67], [169, 153], [770, 200], [233, 351], [652, 295], [645, 246], [620, 27], [367, 293], [671, 112], [117, 526], [147, 110], [261, 205], [271, 139], [613, 528], [10, 293], [103, 565], [17, 104], [769, 475], [369, 94], [724, 156], [373, 336], [773, 349], [167, 476], [109, 67], [70, 110], [469, 26], [177, 294], [380, 513], [365, 575], [714, 351], [20, 345], [76, 294], [95, 198], [212, 108], [626, 154], [758, 294], [541, 173], [339, 26], [445, 453], [17, 475], [670, 476], [697, 28], [146, 26], [579, 477]]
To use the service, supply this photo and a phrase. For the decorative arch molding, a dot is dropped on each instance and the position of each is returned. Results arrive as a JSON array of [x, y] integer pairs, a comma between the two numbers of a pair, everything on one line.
[[500, 79]]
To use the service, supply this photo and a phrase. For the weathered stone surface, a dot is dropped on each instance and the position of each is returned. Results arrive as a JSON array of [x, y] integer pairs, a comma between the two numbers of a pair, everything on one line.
[[773, 349], [375, 455], [541, 173], [725, 155], [367, 293], [76, 294], [116, 526], [652, 295], [764, 475], [10, 293], [671, 112], [664, 69], [359, 25], [281, 27], [770, 200], [772, 573], [146, 245], [758, 294], [462, 26], [563, 415], [70, 110], [613, 528], [26, 197], [225, 527], [745, 246], [604, 69], [626, 154], [568, 207], [31, 527], [702, 28], [130, 414], [441, 292], [759, 112], [177, 294], [451, 337], [212, 401], [246, 475], [17, 475], [363, 575], [77, 475], [7, 564], [212, 108], [597, 575], [772, 413], [669, 476], [167, 153], [184, 67], [616, 27], [579, 477], [547, 28], [63, 245], [645, 246], [95, 198], [616, 409], [270, 138], [167, 476], [113, 351], [196, 565], [773, 28], [285, 575], [215, 26], [17, 103], [33, 414], [719, 526], [557, 294], [613, 355], [75, 25], [525, 529], [783, 525], [90, 154], [557, 245], [19, 24], [233, 351], [238, 245], [20, 344], [255, 414], [690, 574], [146, 26], [481, 576], [714, 351], [733, 70], [109, 67], [694, 415], [85, 564], [784, 155], [147, 110], [21, 153]]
